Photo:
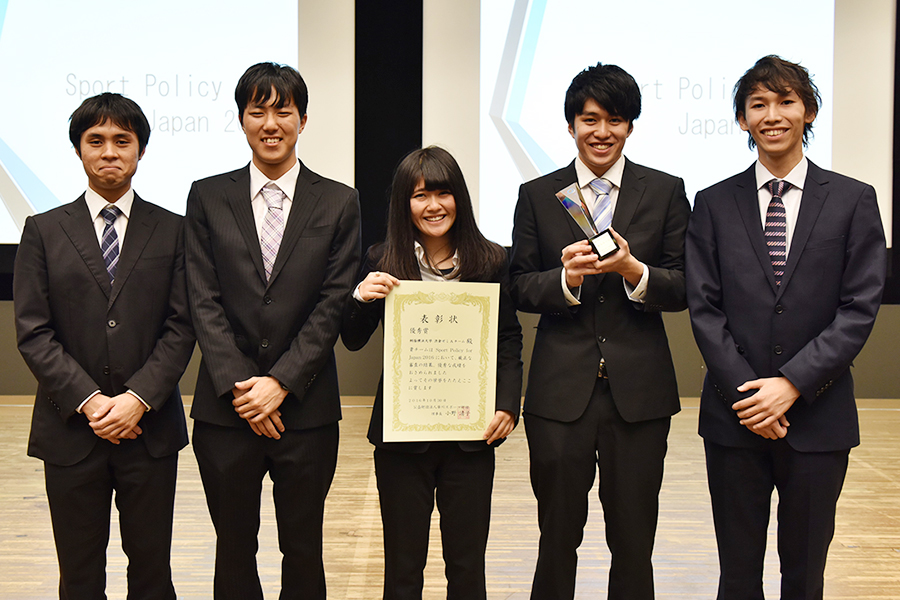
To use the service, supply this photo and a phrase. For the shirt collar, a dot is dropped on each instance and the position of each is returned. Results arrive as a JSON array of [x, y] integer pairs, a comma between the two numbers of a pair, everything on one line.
[[424, 266], [287, 183], [96, 202], [797, 176], [612, 175]]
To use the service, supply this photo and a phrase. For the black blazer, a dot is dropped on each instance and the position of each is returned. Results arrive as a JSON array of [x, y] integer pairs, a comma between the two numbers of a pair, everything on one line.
[[809, 329], [77, 334], [651, 214], [286, 327], [361, 320]]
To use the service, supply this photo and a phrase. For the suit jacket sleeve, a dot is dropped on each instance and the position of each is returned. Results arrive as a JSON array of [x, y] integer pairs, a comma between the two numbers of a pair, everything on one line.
[[665, 284], [727, 367], [509, 350], [314, 344], [58, 372], [156, 379], [360, 319], [226, 363], [533, 289], [830, 353]]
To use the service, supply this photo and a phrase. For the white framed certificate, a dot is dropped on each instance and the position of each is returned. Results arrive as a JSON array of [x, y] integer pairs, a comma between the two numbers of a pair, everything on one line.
[[440, 360]]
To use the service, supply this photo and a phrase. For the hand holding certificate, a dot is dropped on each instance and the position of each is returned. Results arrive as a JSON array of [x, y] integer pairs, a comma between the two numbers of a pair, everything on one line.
[[440, 357]]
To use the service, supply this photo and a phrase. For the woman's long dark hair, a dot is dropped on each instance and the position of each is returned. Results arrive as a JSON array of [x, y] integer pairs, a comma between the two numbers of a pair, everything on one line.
[[479, 259]]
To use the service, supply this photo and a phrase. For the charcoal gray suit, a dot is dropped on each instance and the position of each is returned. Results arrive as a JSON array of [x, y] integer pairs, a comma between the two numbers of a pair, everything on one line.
[[285, 327]]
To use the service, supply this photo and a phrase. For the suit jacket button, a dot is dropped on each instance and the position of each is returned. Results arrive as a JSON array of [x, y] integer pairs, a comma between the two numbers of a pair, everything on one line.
[[106, 369], [779, 309], [601, 339], [778, 349], [267, 300], [601, 299], [740, 349], [264, 343], [111, 323]]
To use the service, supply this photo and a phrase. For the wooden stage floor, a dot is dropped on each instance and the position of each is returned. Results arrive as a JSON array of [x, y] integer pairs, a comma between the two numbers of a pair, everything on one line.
[[864, 562]]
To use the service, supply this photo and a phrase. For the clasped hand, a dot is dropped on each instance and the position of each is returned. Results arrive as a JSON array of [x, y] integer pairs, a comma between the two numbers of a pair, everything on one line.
[[114, 418], [256, 400], [763, 412]]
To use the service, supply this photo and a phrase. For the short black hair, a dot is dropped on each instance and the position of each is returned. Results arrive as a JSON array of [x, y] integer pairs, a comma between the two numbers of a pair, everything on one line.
[[609, 86], [108, 106], [780, 76], [257, 82]]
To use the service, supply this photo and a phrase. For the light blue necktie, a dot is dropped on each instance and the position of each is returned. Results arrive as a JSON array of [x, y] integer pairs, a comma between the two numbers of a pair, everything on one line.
[[602, 212]]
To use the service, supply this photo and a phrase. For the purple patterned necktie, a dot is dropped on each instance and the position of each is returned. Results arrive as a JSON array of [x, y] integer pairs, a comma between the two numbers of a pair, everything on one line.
[[776, 227], [109, 241], [602, 209], [273, 226]]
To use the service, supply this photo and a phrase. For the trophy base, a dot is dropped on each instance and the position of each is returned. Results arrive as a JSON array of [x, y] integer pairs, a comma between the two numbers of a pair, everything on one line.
[[604, 244]]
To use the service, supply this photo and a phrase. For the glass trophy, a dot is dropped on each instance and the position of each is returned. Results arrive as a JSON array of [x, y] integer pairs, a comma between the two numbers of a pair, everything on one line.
[[602, 242]]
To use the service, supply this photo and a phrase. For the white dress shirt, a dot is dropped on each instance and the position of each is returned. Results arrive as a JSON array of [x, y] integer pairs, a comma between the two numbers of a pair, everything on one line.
[[790, 199], [287, 183], [95, 203]]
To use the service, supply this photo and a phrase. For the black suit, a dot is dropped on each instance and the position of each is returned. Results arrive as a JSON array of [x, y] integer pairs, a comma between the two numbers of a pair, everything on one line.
[[565, 399], [285, 328], [78, 334], [809, 329], [462, 473]]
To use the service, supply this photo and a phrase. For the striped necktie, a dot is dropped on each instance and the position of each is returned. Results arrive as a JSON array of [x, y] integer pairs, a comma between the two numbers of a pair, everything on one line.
[[602, 212], [109, 241], [273, 226], [776, 227]]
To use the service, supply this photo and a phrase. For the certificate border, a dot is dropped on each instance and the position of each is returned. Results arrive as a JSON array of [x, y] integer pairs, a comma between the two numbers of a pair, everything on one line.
[[481, 301]]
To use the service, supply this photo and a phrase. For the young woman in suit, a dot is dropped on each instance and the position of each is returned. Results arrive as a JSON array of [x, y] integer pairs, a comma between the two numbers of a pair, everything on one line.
[[432, 236]]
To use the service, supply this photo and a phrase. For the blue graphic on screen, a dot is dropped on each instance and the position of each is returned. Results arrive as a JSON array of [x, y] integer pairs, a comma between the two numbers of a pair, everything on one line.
[[512, 84], [513, 118], [184, 96], [39, 196], [17, 181]]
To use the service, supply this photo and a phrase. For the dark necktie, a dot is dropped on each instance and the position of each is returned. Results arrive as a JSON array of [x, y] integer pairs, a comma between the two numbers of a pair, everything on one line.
[[109, 242], [776, 227]]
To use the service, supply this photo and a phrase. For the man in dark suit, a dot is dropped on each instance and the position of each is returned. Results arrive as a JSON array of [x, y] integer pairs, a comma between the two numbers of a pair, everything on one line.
[[601, 389], [103, 323], [272, 254], [786, 265]]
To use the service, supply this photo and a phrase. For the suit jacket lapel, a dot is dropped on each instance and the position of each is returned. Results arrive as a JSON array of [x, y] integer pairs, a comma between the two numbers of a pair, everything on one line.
[[79, 227], [141, 224], [631, 193], [238, 197], [304, 203], [813, 199], [746, 196]]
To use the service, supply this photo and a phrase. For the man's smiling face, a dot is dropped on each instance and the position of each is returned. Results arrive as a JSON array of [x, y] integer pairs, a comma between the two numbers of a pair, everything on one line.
[[599, 136], [272, 133]]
